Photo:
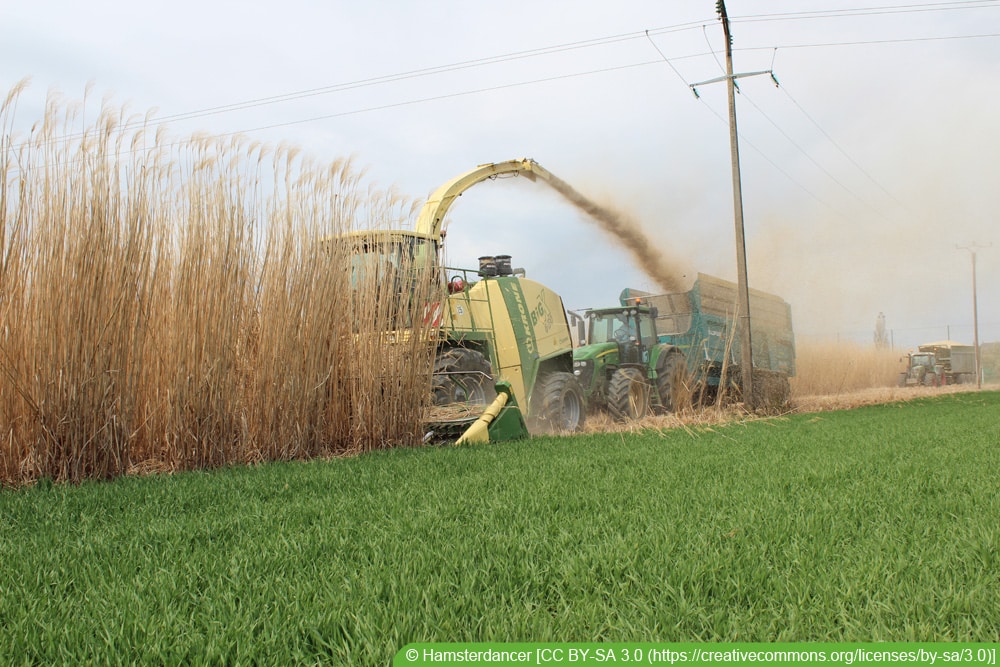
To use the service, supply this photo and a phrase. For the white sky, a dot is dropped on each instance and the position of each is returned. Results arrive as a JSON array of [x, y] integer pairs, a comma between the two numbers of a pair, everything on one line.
[[861, 173]]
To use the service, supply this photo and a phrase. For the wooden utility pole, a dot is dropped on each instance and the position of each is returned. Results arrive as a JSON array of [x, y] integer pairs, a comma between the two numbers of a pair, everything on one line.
[[975, 312], [746, 346]]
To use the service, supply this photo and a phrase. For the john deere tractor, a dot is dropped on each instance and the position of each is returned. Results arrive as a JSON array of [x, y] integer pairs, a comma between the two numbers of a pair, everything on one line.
[[502, 340], [623, 368]]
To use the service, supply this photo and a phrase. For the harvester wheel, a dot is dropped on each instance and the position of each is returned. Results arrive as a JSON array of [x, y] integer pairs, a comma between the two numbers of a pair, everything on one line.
[[673, 383], [628, 394], [462, 375], [558, 403]]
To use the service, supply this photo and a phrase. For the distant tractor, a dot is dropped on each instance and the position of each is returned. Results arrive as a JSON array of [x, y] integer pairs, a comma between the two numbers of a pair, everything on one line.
[[663, 352], [940, 363]]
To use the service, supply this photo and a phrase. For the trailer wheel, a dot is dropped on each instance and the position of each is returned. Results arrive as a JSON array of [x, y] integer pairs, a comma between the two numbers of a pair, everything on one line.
[[673, 383], [628, 394], [462, 375], [771, 389]]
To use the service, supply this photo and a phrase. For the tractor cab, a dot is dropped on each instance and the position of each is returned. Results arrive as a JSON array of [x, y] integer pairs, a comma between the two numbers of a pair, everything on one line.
[[924, 360], [631, 330]]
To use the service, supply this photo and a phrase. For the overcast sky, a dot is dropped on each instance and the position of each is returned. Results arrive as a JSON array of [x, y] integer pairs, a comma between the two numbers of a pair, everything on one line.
[[875, 157]]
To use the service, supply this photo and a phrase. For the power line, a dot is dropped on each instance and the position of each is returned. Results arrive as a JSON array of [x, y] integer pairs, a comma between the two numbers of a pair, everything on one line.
[[741, 136], [402, 76], [774, 164], [421, 100], [869, 11], [810, 157], [472, 63], [796, 144], [576, 45], [843, 152], [869, 42], [667, 60]]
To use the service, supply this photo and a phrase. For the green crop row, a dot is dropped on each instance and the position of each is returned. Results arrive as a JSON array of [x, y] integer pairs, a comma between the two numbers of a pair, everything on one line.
[[877, 524]]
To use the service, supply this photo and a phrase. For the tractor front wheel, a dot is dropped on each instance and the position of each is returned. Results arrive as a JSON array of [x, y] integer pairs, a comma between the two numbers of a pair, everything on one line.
[[558, 403], [628, 394]]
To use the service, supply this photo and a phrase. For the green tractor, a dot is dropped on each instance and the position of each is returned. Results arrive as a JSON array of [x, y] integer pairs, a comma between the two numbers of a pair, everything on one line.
[[623, 367]]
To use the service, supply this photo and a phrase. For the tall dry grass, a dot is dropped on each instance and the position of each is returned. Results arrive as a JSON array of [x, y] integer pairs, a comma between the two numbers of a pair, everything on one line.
[[830, 368], [171, 305]]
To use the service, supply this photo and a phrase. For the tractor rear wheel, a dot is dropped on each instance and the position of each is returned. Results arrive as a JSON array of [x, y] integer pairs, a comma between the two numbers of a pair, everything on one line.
[[628, 394], [462, 375], [558, 403]]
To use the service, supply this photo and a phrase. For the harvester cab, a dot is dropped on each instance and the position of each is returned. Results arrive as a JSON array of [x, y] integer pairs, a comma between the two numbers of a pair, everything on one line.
[[399, 269]]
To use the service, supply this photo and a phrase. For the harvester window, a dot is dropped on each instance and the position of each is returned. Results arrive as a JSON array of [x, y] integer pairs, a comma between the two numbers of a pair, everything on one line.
[[378, 260], [394, 268]]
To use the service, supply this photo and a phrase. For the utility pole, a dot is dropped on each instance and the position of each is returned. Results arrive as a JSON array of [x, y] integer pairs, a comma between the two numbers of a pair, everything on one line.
[[742, 283], [975, 311], [746, 347]]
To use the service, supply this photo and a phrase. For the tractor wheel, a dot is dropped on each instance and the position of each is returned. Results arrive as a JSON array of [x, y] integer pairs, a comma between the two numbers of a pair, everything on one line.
[[628, 394], [462, 375], [673, 383], [558, 403]]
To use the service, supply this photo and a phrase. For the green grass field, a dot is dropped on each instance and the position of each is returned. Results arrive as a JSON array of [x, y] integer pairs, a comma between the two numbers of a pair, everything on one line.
[[874, 524]]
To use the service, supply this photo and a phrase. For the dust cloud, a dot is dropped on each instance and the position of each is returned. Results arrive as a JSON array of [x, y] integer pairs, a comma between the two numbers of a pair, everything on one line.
[[669, 275]]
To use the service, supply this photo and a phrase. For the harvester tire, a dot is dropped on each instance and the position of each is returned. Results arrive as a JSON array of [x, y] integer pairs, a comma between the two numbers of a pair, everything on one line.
[[673, 383], [462, 375], [558, 402], [628, 394]]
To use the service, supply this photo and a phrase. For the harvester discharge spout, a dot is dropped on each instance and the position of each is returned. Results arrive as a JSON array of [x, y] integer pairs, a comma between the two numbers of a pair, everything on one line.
[[502, 420]]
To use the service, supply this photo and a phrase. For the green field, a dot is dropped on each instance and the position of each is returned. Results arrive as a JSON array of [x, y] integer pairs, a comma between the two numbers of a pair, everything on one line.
[[867, 525]]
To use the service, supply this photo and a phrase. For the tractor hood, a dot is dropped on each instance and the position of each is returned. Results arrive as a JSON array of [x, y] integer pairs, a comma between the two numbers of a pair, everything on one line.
[[595, 351], [588, 359]]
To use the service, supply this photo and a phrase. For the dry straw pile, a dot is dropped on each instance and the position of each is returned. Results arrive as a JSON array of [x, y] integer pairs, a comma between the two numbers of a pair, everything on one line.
[[172, 305]]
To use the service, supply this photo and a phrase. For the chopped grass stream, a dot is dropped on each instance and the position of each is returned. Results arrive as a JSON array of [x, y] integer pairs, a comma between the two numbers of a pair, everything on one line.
[[876, 524]]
